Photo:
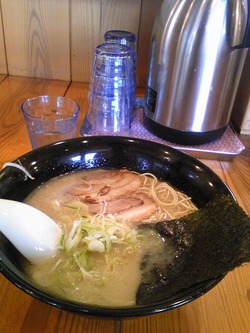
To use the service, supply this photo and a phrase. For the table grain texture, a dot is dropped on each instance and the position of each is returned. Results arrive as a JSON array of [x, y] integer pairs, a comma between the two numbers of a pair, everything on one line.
[[224, 309]]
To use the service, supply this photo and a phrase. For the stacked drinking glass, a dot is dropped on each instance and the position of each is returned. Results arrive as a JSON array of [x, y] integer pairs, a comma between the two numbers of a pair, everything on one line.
[[111, 91]]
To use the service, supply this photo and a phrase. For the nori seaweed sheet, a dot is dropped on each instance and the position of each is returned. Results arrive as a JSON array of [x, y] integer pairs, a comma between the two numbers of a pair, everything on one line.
[[209, 243]]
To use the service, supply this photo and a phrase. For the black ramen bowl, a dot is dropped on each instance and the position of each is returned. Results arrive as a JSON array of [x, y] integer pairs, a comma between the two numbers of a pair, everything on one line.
[[180, 170]]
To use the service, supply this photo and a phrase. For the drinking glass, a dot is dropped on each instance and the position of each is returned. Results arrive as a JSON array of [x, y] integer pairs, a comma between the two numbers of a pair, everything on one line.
[[110, 92], [126, 38], [50, 119]]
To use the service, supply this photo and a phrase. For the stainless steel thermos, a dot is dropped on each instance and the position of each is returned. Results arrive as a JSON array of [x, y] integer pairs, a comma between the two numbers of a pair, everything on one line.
[[198, 49]]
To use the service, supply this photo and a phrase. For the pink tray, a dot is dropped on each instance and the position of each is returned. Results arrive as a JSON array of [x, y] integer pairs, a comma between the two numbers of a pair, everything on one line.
[[225, 148]]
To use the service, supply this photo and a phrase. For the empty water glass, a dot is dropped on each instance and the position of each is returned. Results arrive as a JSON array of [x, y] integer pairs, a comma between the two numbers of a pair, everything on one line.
[[111, 92]]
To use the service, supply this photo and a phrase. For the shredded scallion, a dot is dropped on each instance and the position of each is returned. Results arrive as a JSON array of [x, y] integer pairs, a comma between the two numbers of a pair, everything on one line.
[[97, 234]]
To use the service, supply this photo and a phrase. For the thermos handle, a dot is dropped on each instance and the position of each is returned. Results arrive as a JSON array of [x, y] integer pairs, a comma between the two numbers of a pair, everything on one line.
[[246, 38]]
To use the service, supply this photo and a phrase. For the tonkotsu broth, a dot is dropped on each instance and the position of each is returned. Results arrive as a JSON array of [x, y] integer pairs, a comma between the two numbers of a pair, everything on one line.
[[118, 276]]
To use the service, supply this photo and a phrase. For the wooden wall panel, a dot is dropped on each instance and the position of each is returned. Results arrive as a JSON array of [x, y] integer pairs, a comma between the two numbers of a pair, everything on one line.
[[55, 39], [37, 38], [90, 19], [85, 35], [120, 14], [3, 64]]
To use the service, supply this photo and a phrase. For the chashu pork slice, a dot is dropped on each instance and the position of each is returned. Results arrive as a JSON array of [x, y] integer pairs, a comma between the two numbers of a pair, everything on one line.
[[139, 213], [127, 184], [93, 183], [114, 206], [85, 189], [104, 176]]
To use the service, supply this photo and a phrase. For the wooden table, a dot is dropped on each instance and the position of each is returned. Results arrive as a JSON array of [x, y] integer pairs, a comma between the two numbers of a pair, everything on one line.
[[225, 309]]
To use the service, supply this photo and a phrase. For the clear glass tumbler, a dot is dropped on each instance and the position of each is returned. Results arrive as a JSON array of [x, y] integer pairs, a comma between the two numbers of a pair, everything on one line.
[[111, 92], [50, 118], [126, 38]]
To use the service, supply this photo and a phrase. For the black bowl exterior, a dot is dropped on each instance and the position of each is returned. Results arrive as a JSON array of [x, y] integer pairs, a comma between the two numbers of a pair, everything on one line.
[[180, 170]]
